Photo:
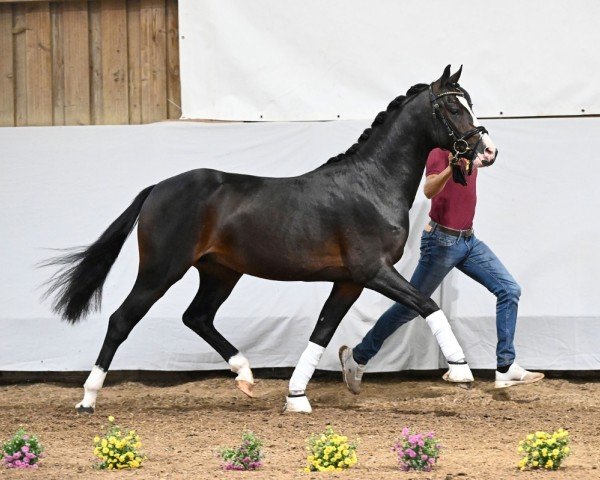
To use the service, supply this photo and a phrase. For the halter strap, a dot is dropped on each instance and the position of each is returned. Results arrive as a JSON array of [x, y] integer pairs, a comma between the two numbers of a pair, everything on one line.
[[460, 145]]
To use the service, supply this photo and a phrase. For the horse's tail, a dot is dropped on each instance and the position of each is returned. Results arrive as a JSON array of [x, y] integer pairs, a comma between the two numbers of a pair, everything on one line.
[[78, 284]]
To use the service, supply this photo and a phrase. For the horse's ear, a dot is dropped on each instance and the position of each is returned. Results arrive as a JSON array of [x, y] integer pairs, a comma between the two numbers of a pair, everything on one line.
[[454, 78], [444, 78]]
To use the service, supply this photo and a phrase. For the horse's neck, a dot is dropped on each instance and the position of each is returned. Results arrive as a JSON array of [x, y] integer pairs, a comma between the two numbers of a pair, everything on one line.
[[395, 158], [404, 172]]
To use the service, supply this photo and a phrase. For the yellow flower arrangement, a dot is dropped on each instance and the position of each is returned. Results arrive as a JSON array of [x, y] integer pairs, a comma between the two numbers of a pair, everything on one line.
[[117, 449], [329, 451], [544, 450]]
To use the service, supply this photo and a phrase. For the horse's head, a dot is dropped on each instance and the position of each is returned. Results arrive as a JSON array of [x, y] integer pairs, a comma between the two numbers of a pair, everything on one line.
[[457, 127]]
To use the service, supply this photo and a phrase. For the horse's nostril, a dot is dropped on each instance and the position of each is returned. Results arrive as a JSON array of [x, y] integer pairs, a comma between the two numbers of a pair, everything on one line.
[[491, 152]]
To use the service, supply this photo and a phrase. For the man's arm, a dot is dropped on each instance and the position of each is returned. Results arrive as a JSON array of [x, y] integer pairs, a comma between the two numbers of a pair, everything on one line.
[[436, 182]]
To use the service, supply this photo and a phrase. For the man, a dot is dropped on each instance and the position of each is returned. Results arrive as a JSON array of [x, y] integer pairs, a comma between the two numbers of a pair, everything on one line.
[[449, 242]]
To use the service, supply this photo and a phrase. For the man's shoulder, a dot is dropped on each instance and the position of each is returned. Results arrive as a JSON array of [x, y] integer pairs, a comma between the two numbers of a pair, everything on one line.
[[438, 154], [436, 161]]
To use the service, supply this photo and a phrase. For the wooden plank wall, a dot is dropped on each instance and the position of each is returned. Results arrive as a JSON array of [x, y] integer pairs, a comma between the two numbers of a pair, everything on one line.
[[83, 62]]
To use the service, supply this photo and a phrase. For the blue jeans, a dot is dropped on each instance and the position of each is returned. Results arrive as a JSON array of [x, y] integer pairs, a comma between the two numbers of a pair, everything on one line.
[[440, 253]]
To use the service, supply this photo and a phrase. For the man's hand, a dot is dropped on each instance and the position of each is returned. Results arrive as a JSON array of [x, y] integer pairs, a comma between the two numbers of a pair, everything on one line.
[[459, 167], [477, 163], [463, 162], [452, 159]]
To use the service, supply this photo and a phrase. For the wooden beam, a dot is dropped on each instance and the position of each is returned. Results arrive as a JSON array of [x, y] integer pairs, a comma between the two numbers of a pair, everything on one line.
[[37, 1], [20, 68], [114, 62], [7, 76], [95, 56], [134, 61], [77, 63], [153, 54], [173, 79], [38, 60], [58, 65]]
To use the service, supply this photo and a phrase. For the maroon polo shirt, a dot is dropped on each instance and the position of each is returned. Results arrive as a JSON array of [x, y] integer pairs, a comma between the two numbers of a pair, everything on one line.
[[454, 206]]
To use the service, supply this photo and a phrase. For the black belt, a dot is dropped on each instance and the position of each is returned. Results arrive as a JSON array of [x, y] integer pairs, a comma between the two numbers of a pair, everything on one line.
[[450, 231]]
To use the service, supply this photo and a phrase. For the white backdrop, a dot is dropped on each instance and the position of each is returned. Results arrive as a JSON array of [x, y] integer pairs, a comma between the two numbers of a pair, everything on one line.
[[316, 60], [62, 186]]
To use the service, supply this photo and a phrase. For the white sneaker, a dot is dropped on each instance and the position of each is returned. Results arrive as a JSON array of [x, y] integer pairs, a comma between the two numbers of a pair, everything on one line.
[[516, 375], [351, 370], [458, 373]]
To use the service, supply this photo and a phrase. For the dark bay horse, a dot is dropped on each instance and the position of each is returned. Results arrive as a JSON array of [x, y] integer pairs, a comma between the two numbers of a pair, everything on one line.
[[345, 222]]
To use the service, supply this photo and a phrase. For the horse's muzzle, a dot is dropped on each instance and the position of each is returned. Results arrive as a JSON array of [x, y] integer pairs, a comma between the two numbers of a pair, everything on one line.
[[489, 159]]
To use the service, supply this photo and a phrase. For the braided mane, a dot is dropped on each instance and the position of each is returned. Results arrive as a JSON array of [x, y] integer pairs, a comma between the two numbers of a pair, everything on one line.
[[380, 119]]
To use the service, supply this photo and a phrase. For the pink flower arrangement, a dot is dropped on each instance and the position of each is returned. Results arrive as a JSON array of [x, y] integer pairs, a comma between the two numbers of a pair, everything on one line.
[[418, 451], [22, 451], [248, 456]]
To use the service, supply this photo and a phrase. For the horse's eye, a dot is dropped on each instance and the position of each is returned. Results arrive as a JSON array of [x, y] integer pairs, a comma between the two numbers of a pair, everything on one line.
[[454, 111]]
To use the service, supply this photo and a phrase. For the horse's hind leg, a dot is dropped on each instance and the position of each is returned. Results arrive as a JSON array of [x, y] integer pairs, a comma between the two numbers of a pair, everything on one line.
[[147, 289], [391, 284], [337, 305], [216, 283]]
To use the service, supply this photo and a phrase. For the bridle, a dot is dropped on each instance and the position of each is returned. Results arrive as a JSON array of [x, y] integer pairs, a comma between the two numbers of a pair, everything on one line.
[[460, 145]]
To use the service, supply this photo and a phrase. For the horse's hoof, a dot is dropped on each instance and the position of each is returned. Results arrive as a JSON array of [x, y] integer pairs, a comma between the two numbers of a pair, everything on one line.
[[466, 384], [458, 373], [297, 405], [245, 387], [82, 409]]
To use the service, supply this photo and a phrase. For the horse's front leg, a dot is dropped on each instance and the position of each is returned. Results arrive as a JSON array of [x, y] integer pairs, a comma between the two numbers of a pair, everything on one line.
[[343, 295], [390, 283]]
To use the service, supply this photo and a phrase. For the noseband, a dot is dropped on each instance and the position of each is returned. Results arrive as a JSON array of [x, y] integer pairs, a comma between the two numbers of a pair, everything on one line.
[[460, 145]]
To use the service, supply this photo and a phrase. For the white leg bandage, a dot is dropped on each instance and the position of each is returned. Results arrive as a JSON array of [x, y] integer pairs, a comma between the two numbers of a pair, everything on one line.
[[305, 368], [443, 334], [240, 365], [91, 387]]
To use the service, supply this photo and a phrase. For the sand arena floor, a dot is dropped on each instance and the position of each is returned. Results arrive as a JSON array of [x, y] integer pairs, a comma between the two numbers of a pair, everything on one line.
[[182, 425]]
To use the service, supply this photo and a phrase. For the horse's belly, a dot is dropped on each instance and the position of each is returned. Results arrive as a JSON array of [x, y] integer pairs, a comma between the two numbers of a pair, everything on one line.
[[266, 261], [286, 242]]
